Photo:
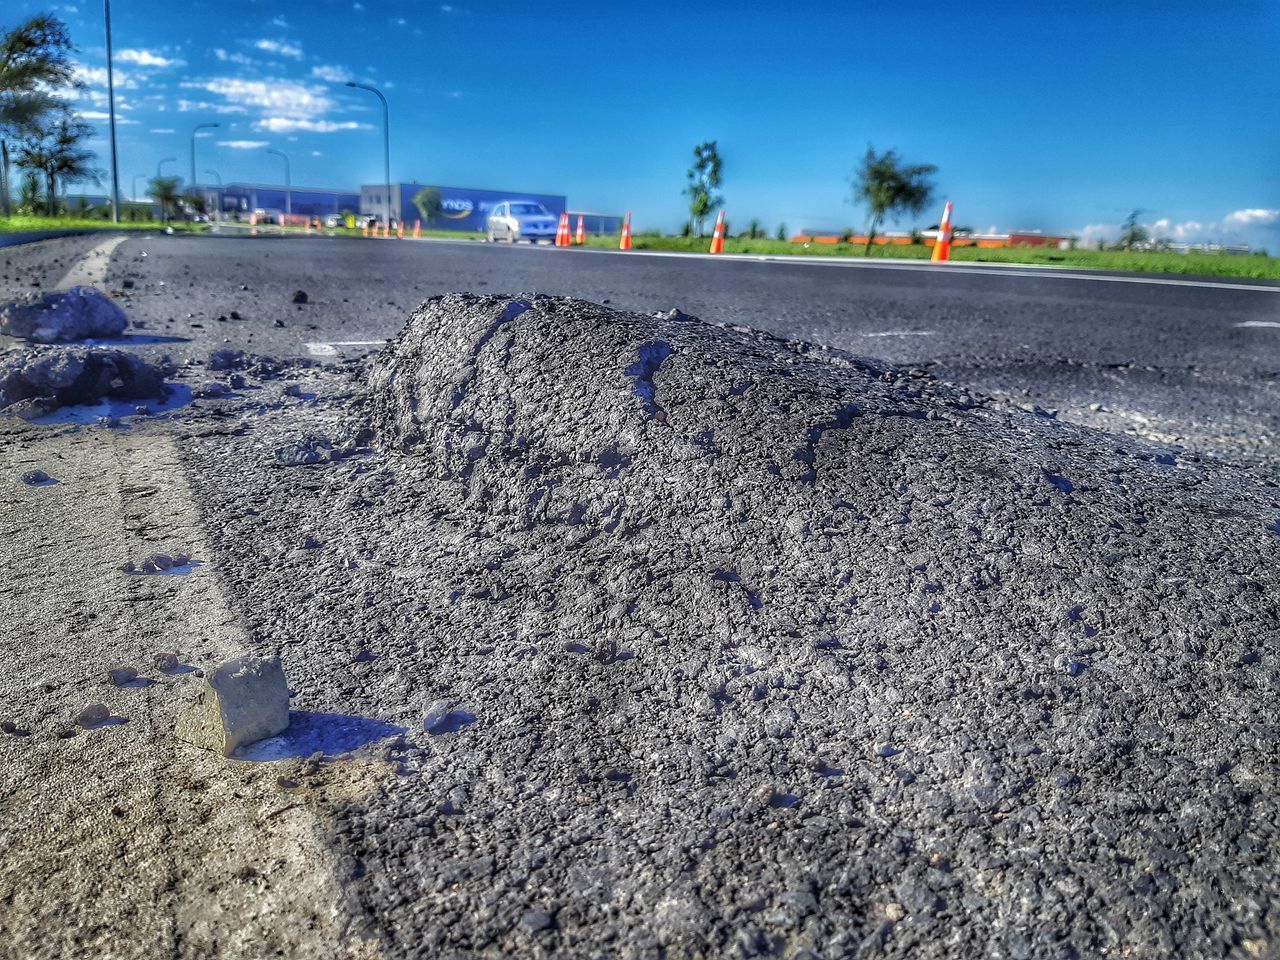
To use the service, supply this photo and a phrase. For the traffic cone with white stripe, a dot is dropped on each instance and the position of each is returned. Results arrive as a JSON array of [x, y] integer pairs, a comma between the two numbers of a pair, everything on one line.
[[366, 229], [417, 229], [562, 231], [400, 230], [942, 246], [625, 242], [717, 236], [582, 233]]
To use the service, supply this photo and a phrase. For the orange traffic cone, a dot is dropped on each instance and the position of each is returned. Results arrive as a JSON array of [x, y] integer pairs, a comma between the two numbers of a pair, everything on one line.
[[582, 234], [717, 237], [625, 242], [562, 231], [417, 229], [942, 246], [366, 229], [400, 230]]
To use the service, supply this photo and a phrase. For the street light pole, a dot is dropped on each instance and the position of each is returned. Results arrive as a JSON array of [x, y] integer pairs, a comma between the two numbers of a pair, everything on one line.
[[215, 173], [111, 108], [134, 196], [159, 171], [194, 130], [386, 142], [288, 183]]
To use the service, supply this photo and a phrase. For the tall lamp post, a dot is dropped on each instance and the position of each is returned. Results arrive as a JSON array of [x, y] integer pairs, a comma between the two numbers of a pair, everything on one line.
[[215, 173], [160, 166], [135, 185], [111, 108], [386, 142], [288, 184], [194, 130]]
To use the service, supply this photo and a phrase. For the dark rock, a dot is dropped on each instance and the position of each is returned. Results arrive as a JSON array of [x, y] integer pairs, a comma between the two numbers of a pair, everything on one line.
[[300, 296], [37, 382], [62, 317]]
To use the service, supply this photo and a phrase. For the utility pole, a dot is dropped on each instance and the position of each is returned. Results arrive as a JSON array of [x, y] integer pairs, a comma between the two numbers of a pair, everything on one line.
[[288, 183], [194, 130], [386, 142], [111, 108]]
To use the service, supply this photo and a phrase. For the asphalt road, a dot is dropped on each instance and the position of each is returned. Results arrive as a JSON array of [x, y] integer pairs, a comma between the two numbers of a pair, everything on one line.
[[1197, 366]]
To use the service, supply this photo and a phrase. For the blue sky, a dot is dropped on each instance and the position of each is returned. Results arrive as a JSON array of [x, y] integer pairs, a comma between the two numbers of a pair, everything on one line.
[[1061, 116]]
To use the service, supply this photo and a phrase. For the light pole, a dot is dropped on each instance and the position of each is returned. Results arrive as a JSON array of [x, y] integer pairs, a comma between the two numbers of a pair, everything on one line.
[[194, 130], [135, 185], [111, 107], [288, 184], [386, 142], [215, 173], [159, 171]]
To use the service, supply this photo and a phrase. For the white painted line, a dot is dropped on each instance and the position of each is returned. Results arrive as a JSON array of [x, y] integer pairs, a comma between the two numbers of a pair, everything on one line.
[[330, 349], [92, 266], [1007, 269], [1259, 323], [901, 333]]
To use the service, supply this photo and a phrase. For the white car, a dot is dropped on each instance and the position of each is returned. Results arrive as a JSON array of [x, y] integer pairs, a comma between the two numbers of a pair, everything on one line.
[[335, 220], [516, 220]]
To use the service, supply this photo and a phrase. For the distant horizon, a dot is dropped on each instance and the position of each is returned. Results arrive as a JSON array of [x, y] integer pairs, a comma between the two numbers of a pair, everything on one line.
[[1059, 120]]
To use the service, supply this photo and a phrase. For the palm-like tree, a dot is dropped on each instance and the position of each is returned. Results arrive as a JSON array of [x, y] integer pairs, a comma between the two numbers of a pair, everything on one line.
[[164, 191], [890, 188], [56, 151], [35, 57]]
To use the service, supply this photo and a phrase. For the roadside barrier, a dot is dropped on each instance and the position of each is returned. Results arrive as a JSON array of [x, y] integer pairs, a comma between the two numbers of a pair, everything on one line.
[[942, 246], [417, 229], [562, 231], [582, 234], [625, 242], [717, 238]]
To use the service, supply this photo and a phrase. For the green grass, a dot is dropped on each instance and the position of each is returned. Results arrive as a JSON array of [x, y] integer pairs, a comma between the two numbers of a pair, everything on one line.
[[1198, 264], [22, 224]]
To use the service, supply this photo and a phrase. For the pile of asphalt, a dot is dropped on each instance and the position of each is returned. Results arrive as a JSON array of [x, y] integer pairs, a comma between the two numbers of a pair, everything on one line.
[[37, 381], [728, 646]]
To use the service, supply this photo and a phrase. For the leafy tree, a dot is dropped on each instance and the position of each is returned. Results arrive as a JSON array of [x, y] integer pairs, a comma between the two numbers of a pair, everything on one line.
[[1133, 234], [35, 57], [54, 148], [30, 197], [165, 191], [704, 179], [890, 188], [429, 204], [782, 231]]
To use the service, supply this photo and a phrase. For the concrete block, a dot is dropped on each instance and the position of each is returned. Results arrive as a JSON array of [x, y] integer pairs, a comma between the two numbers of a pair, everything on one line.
[[242, 701]]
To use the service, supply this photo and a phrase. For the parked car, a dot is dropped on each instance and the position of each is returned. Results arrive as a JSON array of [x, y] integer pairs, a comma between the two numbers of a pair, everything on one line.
[[515, 220], [335, 220]]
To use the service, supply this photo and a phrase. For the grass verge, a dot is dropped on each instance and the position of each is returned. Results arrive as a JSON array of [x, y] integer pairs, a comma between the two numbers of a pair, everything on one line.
[[23, 224]]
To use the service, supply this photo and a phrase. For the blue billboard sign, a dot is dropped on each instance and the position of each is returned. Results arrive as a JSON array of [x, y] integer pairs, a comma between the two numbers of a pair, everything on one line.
[[464, 208]]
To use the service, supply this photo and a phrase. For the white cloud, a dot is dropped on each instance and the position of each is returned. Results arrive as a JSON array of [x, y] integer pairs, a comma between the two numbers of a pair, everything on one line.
[[204, 106], [145, 58], [280, 47], [279, 21], [240, 58], [400, 21], [162, 130], [288, 98], [242, 144], [316, 153], [97, 77], [331, 74], [446, 8], [290, 125], [357, 6], [103, 115], [1252, 217]]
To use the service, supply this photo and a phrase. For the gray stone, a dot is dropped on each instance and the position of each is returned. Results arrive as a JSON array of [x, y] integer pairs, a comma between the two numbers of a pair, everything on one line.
[[93, 715], [122, 675], [36, 382], [241, 701], [63, 316]]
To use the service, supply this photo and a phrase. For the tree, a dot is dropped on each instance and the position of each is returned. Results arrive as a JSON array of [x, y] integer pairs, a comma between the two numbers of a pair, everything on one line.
[[890, 188], [429, 204], [164, 191], [1133, 234], [54, 148], [782, 231], [35, 57], [704, 179], [30, 199]]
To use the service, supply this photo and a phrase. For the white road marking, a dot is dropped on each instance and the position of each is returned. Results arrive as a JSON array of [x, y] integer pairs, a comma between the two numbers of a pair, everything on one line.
[[900, 333], [92, 266], [330, 349], [1259, 323], [1044, 270]]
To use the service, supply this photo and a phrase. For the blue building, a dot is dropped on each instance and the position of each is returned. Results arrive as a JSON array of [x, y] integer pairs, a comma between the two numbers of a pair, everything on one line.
[[244, 198], [465, 208]]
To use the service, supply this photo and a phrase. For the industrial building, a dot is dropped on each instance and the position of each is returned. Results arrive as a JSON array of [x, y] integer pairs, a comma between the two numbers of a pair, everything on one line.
[[462, 208], [242, 199]]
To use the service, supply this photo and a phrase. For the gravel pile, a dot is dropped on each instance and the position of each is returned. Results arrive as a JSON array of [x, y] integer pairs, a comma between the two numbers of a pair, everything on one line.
[[717, 645], [39, 381]]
